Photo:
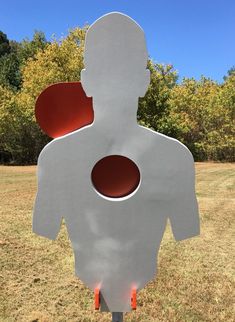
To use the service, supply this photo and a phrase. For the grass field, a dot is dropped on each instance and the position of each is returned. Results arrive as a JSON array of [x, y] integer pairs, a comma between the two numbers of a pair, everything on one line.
[[195, 280]]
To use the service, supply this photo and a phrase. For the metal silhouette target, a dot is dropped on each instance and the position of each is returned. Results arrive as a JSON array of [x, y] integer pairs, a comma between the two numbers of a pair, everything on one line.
[[63, 108], [115, 183]]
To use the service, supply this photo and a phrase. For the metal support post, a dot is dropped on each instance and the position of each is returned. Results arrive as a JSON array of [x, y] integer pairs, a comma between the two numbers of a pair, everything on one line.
[[117, 316]]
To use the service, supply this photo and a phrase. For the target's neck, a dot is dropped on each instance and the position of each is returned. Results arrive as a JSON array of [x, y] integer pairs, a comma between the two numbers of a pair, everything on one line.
[[114, 113]]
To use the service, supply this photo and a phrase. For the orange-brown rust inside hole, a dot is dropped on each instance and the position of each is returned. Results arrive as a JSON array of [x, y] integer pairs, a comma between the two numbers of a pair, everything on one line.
[[115, 176]]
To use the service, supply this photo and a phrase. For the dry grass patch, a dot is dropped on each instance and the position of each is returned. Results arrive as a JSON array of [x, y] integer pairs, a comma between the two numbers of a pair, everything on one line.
[[195, 277]]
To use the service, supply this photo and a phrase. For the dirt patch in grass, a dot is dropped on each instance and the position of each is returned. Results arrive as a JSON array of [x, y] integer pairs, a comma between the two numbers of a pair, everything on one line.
[[195, 277]]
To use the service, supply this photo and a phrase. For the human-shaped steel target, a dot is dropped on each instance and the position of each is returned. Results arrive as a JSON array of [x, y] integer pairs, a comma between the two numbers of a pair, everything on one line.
[[114, 182]]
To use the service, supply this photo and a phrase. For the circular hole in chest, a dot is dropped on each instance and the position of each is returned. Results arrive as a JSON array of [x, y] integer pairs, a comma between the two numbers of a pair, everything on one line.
[[115, 176]]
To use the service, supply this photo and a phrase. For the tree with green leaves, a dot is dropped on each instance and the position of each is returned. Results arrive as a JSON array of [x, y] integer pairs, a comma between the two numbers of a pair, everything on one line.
[[4, 44], [230, 73], [16, 56], [202, 115], [154, 107], [58, 61]]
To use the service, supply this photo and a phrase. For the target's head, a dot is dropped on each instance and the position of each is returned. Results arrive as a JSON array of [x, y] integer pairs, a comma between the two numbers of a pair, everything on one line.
[[115, 58]]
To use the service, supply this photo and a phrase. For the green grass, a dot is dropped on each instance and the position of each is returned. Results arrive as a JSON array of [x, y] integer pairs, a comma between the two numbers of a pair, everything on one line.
[[195, 277]]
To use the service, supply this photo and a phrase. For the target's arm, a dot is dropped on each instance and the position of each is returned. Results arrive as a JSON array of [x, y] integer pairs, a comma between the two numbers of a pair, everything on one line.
[[47, 211]]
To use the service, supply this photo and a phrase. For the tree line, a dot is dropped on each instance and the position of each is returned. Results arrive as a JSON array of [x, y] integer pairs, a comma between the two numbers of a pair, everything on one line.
[[199, 113]]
